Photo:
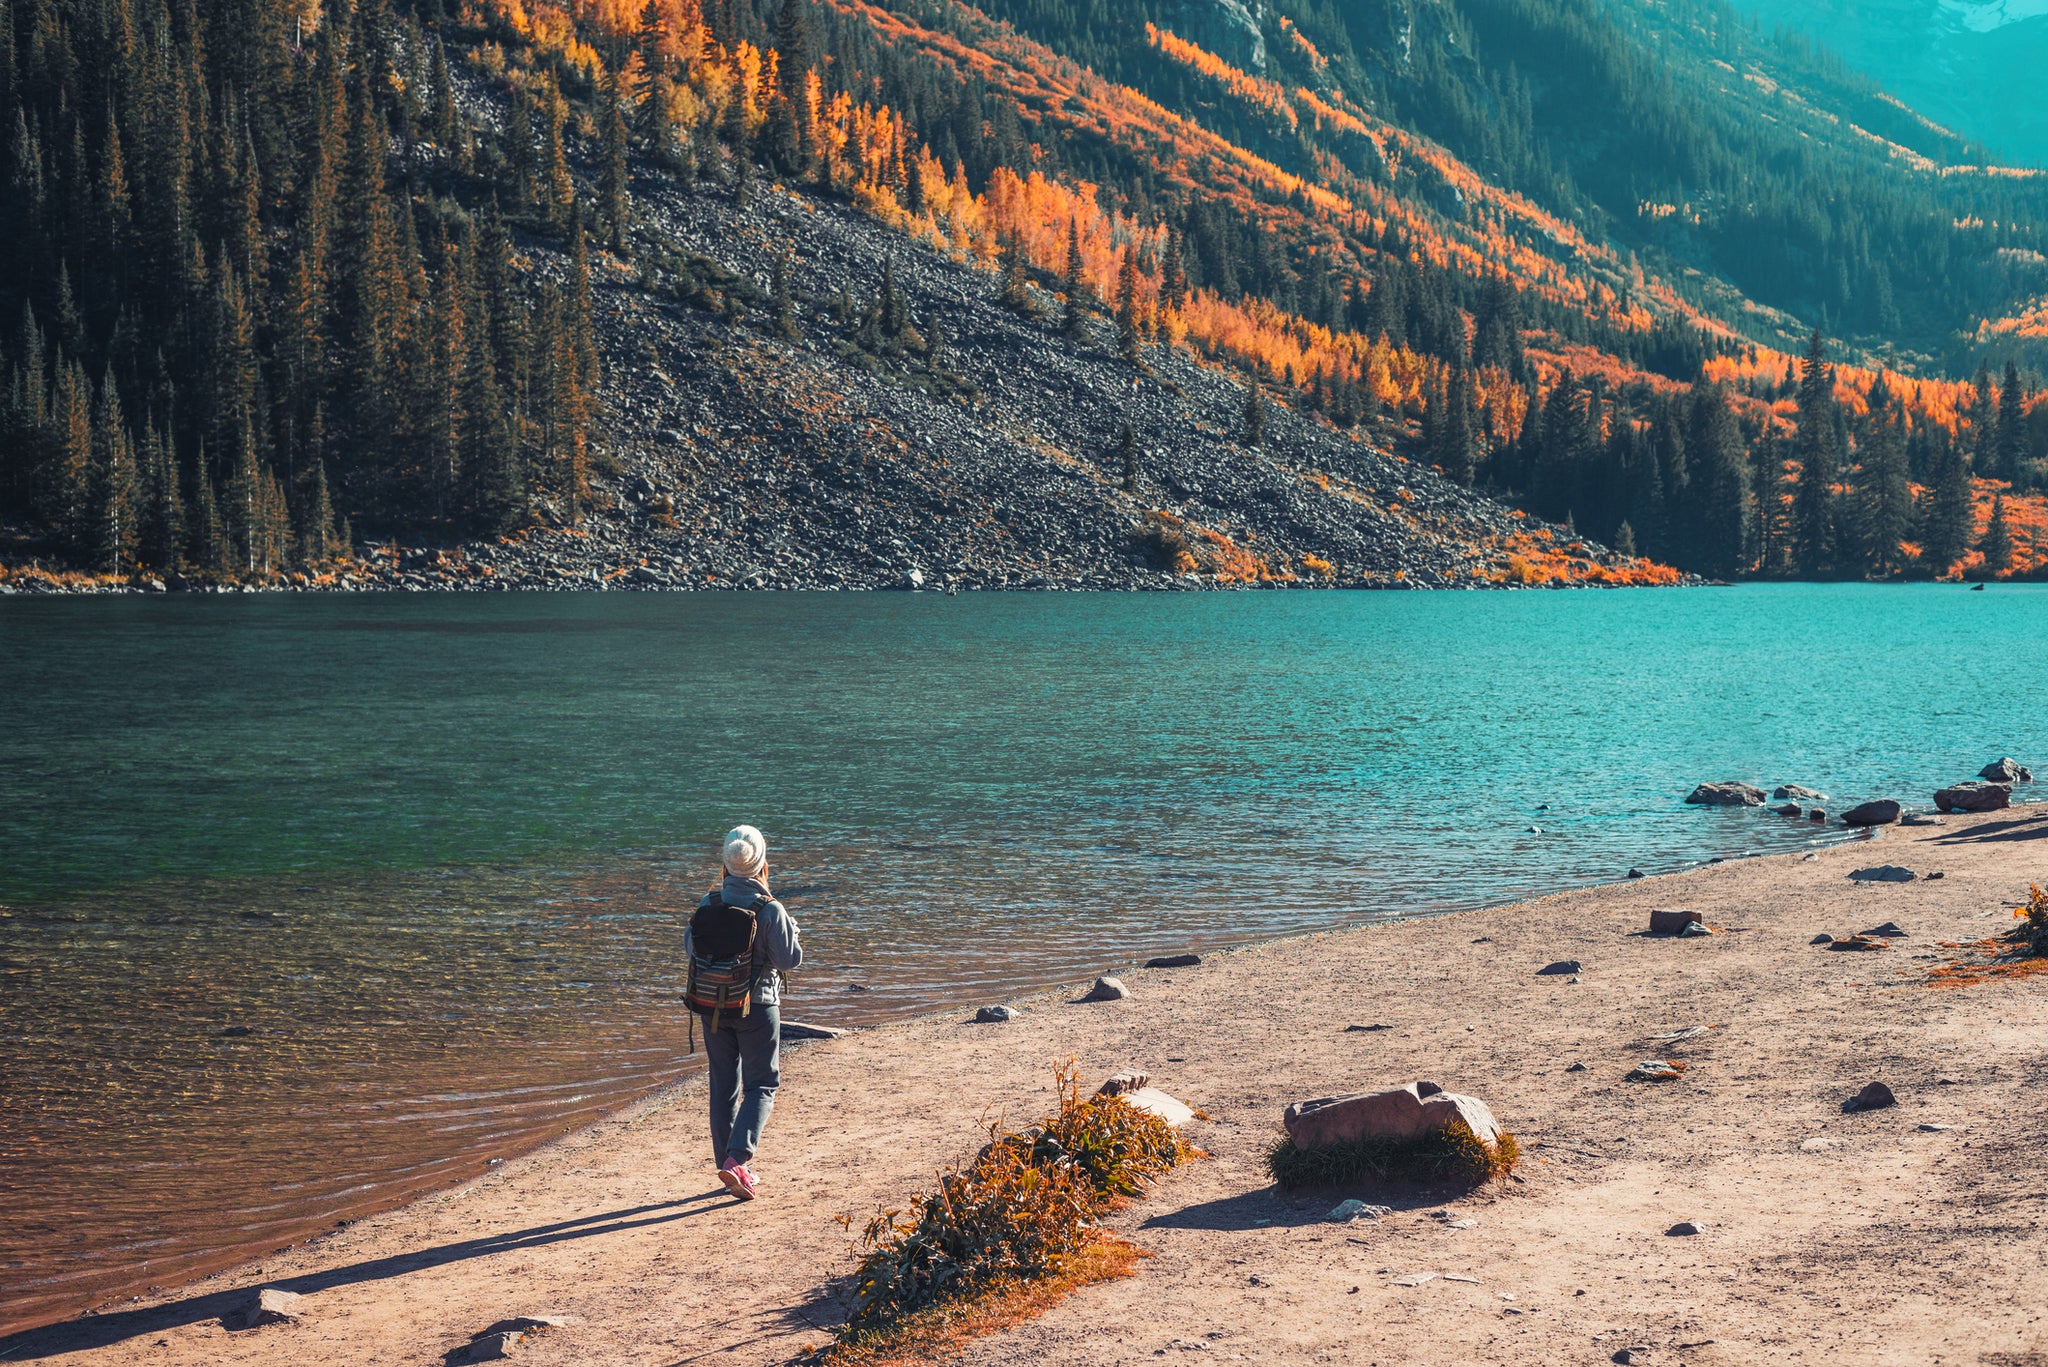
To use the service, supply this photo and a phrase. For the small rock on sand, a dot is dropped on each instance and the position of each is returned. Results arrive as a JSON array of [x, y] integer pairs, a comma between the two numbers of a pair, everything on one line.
[[1174, 961], [1558, 969], [1875, 1096], [1347, 1211], [1879, 812], [1859, 942], [267, 1305], [1576, 1068], [1884, 873], [1129, 1080], [1174, 1113], [1889, 930], [1107, 990], [1974, 796], [1822, 939], [1363, 1028], [1730, 794], [995, 1015], [1673, 922], [1655, 1070], [1686, 1227], [508, 1337]]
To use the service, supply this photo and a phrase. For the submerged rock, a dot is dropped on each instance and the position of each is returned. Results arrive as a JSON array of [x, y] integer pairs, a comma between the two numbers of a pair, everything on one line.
[[1799, 791], [2006, 770], [1878, 812], [1789, 809], [1729, 794]]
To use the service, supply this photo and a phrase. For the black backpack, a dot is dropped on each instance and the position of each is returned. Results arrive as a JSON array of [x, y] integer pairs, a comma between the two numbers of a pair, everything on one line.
[[721, 976]]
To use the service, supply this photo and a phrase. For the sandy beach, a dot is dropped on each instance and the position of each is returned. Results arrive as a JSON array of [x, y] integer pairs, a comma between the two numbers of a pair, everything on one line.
[[1913, 1234]]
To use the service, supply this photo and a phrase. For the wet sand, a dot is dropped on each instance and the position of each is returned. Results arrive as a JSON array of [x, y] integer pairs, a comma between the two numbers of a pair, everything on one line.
[[1913, 1234]]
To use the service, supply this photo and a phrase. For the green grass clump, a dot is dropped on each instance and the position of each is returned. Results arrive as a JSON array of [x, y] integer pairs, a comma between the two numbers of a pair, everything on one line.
[[1023, 1210], [1452, 1154]]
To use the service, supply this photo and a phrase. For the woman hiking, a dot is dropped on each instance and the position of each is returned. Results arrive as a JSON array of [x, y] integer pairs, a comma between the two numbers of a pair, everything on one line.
[[738, 943]]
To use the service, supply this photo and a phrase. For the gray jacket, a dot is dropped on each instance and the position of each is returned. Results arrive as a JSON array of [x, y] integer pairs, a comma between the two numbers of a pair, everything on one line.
[[776, 943]]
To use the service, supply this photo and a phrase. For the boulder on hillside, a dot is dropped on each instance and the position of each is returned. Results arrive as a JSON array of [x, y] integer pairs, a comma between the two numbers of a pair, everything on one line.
[[1974, 796], [1729, 794], [1878, 812], [1403, 1113], [1798, 791], [2006, 770]]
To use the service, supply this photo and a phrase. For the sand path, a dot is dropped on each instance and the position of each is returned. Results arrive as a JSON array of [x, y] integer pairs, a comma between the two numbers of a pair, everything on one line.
[[1830, 1238]]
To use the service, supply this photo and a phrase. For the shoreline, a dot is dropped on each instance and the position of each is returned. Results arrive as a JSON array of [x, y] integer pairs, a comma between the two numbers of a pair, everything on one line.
[[1172, 1026]]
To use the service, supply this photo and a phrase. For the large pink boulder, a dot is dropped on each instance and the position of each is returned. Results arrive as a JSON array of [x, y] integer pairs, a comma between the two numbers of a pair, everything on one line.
[[1403, 1113]]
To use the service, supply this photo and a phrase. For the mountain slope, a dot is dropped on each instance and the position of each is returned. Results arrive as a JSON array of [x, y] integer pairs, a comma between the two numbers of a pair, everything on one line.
[[1973, 65]]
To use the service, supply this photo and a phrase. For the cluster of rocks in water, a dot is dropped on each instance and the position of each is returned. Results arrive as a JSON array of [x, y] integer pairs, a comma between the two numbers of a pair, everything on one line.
[[1990, 791], [737, 458]]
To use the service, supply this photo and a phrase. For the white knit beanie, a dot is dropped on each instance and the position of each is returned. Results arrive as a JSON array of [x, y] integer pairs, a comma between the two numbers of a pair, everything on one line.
[[746, 852]]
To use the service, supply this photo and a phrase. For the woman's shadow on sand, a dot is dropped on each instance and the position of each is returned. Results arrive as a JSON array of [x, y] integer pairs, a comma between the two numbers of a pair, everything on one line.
[[102, 1331]]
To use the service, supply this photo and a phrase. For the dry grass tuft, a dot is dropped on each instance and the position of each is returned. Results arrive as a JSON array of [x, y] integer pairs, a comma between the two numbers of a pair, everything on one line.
[[1453, 1154], [2021, 952], [1024, 1214], [943, 1331]]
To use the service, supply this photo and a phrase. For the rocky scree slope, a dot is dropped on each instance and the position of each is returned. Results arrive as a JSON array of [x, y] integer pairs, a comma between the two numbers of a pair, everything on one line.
[[739, 457]]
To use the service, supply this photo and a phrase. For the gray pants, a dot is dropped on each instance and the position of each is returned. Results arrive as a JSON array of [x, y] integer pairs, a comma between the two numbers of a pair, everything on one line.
[[744, 1050]]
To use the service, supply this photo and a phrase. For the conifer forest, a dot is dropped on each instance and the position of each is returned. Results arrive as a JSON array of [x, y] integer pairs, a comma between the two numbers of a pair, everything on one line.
[[292, 281]]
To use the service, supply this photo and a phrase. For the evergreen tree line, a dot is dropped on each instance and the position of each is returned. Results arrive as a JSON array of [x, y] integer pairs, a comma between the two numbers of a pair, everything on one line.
[[1686, 480], [264, 293]]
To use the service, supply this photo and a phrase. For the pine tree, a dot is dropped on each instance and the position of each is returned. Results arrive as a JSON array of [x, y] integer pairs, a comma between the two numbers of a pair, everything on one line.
[[1721, 497], [613, 183], [1813, 505], [1625, 540], [1887, 498], [1074, 281], [1127, 453], [112, 494], [68, 506], [892, 318], [161, 530], [2012, 425], [1996, 543], [1254, 414], [557, 186], [1950, 519], [785, 309], [1015, 295], [1127, 335], [1173, 284], [1453, 428]]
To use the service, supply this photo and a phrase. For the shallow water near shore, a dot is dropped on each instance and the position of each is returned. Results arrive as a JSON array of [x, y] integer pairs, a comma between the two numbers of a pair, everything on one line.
[[310, 904]]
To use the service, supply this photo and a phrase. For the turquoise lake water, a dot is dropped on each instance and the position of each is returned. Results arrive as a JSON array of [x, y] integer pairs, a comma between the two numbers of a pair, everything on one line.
[[427, 850]]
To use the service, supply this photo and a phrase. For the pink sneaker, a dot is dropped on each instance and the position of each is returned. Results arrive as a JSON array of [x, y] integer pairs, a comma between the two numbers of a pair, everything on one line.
[[737, 1179]]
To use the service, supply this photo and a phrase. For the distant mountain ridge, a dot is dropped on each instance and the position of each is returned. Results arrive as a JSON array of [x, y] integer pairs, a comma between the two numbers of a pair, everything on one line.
[[1972, 65]]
